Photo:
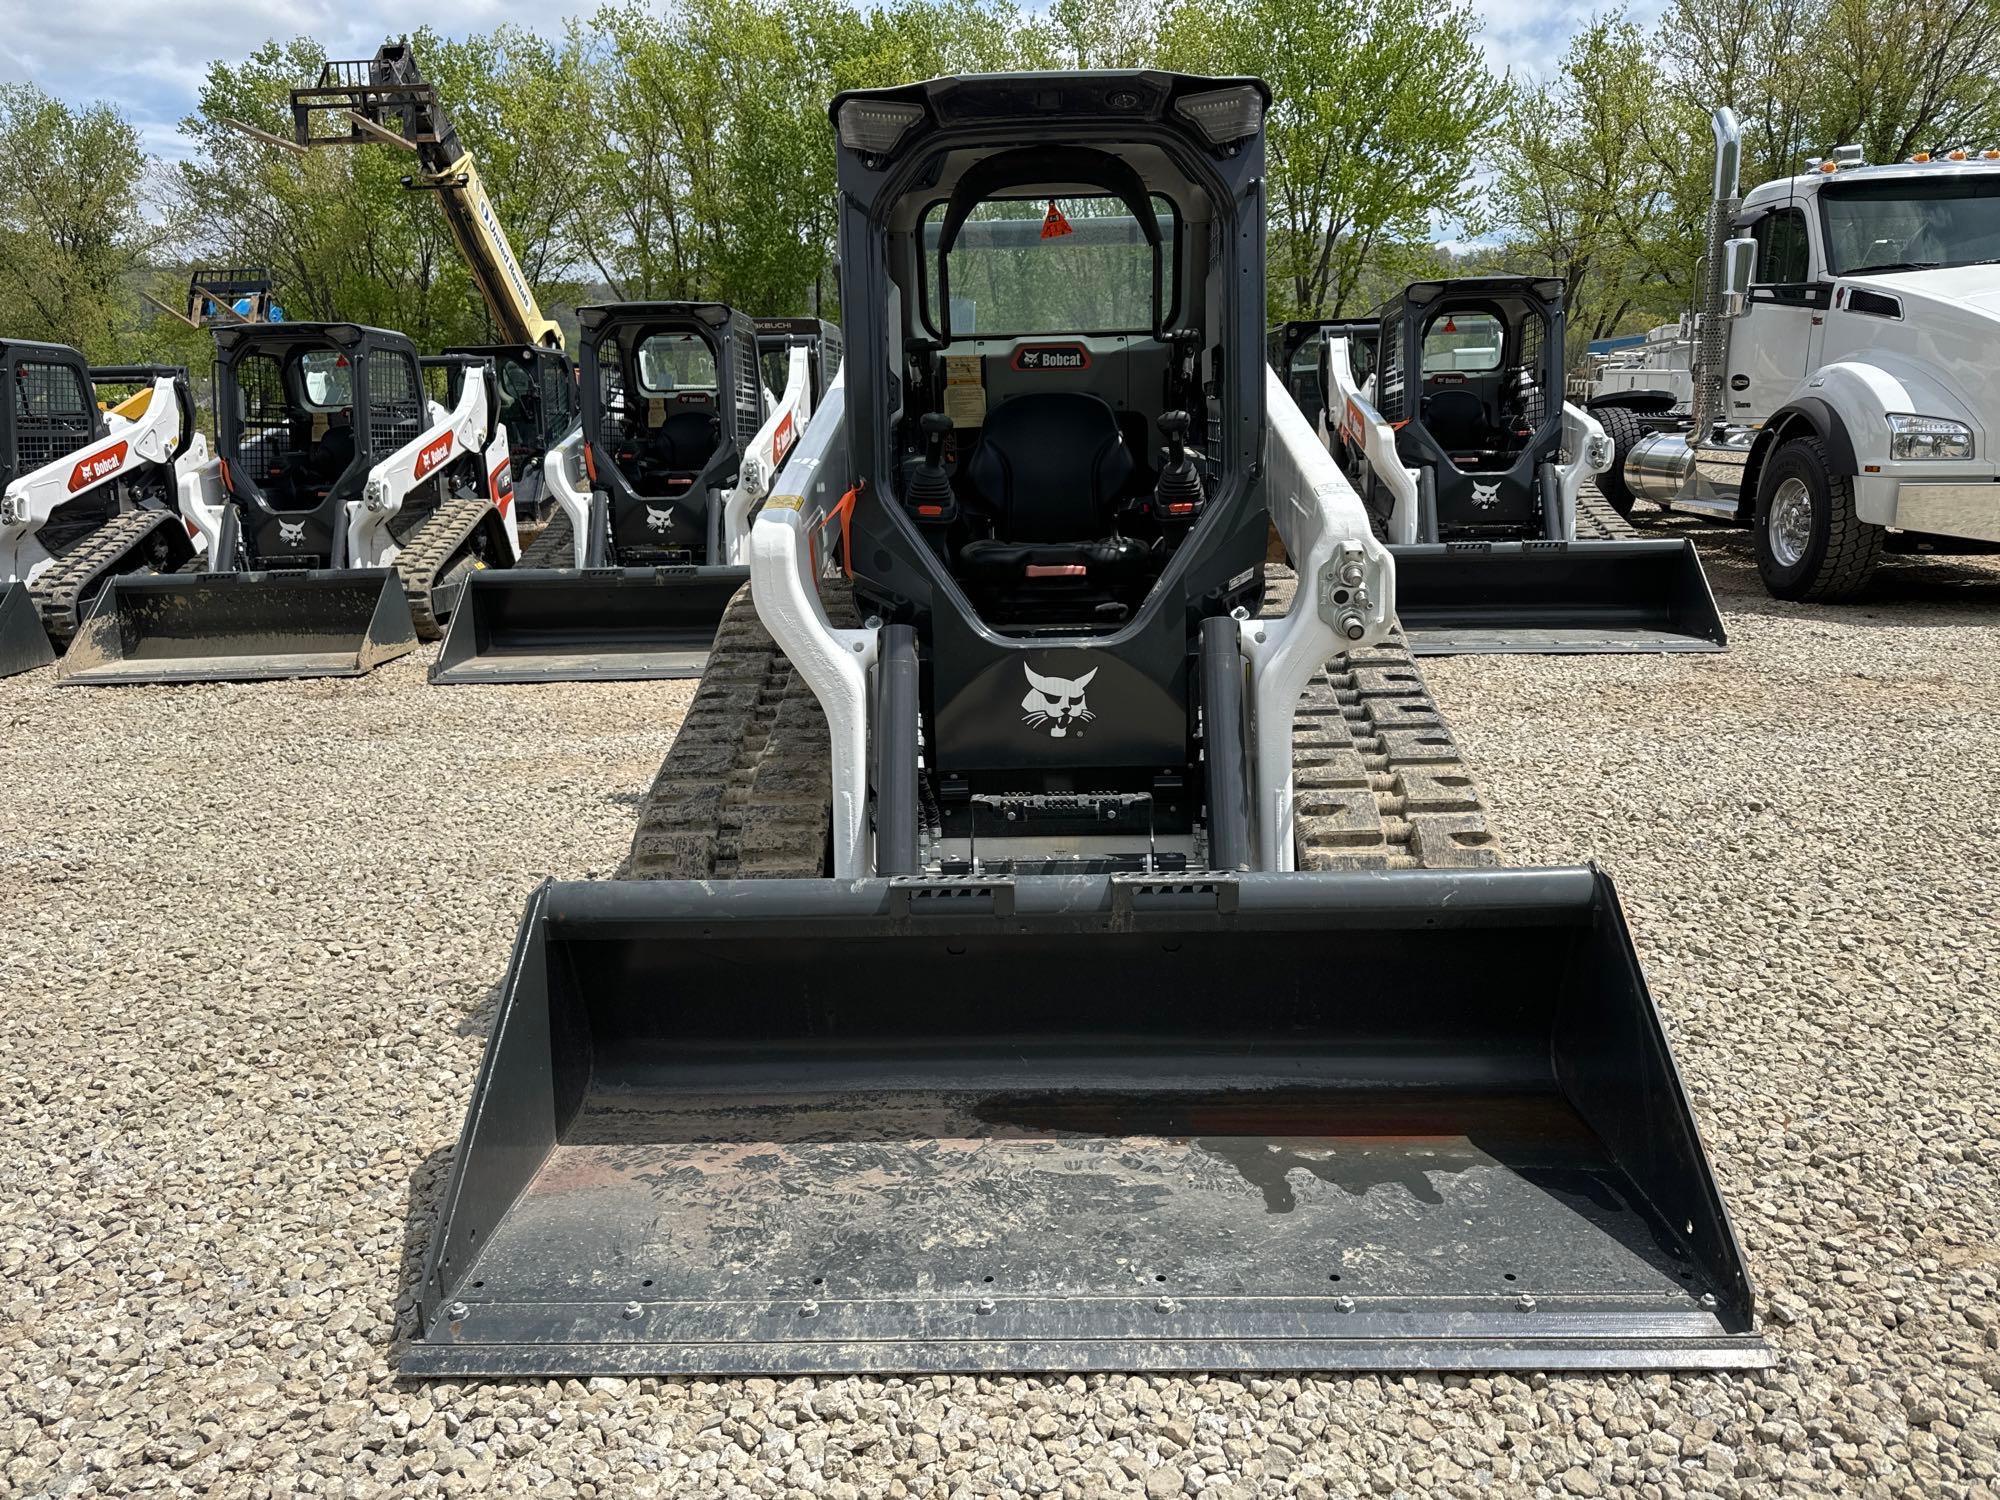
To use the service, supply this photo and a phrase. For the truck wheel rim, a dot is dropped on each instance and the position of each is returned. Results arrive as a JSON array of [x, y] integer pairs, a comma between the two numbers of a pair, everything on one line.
[[1791, 522]]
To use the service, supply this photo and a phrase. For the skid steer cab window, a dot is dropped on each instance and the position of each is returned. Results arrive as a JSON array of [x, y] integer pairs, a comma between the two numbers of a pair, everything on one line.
[[1911, 224], [51, 413], [671, 362], [1039, 265], [1469, 343], [326, 380]]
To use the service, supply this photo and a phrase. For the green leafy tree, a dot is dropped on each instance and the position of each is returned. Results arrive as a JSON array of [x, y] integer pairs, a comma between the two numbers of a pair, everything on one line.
[[73, 227], [1377, 112]]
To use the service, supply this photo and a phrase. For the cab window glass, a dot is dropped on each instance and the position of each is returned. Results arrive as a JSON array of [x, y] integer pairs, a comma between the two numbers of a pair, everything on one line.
[[1462, 341], [326, 380], [675, 362], [1781, 248]]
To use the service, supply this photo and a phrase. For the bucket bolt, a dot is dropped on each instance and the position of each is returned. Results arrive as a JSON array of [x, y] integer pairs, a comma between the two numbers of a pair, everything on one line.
[[633, 1309]]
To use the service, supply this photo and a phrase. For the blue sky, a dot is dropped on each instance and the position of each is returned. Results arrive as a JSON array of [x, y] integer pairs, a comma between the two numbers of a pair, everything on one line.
[[83, 51]]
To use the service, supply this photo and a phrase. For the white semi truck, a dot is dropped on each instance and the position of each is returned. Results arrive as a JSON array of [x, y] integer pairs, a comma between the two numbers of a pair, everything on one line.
[[1846, 398]]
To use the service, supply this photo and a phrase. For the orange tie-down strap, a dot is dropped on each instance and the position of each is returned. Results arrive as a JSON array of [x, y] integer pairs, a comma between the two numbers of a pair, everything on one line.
[[843, 509], [1058, 570]]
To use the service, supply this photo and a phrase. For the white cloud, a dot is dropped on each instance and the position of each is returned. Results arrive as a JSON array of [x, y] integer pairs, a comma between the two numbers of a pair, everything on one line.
[[81, 52]]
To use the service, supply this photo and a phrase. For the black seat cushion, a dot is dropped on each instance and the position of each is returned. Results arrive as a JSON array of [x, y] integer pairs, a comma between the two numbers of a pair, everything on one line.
[[686, 440], [1049, 466], [1456, 418]]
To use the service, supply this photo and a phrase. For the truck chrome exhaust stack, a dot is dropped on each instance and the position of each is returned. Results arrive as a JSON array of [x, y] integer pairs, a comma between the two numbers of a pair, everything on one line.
[[1711, 328]]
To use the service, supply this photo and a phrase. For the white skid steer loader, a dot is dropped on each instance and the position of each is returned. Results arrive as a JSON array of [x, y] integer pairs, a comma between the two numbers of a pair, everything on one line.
[[349, 513], [654, 494], [89, 488], [1062, 1029], [1472, 466]]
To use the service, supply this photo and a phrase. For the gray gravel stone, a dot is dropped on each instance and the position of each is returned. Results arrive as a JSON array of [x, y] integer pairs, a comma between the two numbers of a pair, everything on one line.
[[253, 935]]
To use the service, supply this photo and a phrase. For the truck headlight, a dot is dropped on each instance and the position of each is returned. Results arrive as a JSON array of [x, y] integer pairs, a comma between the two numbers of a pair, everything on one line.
[[1928, 437]]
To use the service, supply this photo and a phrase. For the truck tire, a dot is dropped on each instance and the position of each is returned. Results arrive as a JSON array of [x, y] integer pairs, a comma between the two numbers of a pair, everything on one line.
[[1625, 430], [1810, 543]]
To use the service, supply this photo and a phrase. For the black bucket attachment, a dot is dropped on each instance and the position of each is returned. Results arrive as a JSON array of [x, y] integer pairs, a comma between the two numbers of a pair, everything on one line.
[[1404, 1121], [593, 624], [24, 644], [240, 627], [1555, 598]]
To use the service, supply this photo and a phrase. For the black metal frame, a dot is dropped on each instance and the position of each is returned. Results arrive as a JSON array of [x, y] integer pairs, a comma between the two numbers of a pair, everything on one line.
[[14, 354], [324, 540], [1144, 688], [633, 535], [1518, 501]]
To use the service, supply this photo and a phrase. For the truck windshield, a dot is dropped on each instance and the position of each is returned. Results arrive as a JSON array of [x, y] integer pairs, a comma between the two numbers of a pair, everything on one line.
[[1906, 224]]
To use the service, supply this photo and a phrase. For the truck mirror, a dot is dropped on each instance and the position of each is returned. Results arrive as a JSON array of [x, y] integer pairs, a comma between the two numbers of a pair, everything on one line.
[[1739, 262]]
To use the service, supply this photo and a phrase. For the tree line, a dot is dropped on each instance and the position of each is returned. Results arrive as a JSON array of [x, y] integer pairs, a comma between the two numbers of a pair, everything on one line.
[[687, 155]]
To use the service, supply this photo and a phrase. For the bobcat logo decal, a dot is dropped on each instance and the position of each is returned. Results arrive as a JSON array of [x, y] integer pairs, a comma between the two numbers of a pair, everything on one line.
[[1486, 496], [291, 533], [1055, 703], [659, 520]]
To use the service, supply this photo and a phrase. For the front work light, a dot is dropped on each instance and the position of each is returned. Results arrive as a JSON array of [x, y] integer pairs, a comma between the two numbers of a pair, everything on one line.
[[1223, 115], [1928, 437], [876, 127]]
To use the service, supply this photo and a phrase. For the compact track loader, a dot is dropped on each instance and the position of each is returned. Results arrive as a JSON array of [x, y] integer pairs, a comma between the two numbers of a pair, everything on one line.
[[349, 514], [653, 496], [541, 408], [1126, 985], [1472, 466], [90, 482]]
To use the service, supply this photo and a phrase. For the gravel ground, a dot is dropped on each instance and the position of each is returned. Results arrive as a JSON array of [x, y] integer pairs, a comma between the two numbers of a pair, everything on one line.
[[252, 938]]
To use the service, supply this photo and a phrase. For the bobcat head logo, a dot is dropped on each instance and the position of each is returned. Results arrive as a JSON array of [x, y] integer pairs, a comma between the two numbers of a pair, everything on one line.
[[291, 533], [659, 520], [1055, 703], [1485, 496]]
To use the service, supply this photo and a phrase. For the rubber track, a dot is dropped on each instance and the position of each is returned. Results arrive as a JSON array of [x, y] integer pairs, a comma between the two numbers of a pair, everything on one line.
[[553, 548], [1379, 781], [1597, 519], [427, 548], [65, 581], [745, 788]]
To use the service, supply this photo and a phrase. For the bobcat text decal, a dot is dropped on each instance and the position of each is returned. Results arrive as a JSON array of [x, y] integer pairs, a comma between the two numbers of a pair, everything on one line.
[[96, 467], [432, 456], [1052, 357], [782, 439], [1055, 703]]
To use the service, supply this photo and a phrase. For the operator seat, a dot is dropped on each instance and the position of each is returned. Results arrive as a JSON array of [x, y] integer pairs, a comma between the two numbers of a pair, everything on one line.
[[1457, 421], [683, 445], [1048, 470]]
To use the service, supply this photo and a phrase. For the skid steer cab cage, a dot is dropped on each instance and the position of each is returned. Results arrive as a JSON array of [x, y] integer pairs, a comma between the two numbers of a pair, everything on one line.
[[1403, 1121], [1446, 412], [539, 403], [672, 422]]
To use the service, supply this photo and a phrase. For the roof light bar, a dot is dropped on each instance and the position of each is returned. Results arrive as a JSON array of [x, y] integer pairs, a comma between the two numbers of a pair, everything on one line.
[[1223, 115], [876, 127]]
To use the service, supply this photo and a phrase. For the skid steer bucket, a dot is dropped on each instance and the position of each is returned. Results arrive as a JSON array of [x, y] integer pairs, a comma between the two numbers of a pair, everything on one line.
[[1412, 1120], [240, 627], [24, 644], [1555, 598], [602, 624]]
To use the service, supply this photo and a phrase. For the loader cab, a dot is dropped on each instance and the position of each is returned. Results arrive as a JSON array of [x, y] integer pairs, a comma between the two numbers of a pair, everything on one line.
[[51, 409], [537, 400], [778, 337], [303, 412], [672, 397], [1057, 415], [1469, 372]]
